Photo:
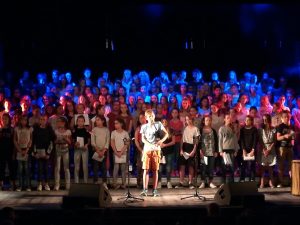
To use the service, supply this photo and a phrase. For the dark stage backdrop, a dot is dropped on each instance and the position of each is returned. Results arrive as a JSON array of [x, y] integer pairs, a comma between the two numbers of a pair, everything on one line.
[[72, 35]]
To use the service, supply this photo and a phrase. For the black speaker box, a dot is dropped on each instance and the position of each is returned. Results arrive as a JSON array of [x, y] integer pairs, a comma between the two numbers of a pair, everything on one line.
[[87, 195], [244, 194]]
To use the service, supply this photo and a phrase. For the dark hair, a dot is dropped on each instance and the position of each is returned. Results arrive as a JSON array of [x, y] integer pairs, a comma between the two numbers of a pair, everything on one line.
[[64, 120], [269, 120], [21, 118], [250, 117], [101, 118], [9, 119], [253, 108], [121, 121], [138, 121], [80, 117]]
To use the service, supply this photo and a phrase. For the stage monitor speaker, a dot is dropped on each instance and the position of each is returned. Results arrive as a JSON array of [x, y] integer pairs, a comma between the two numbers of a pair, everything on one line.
[[87, 195], [245, 194]]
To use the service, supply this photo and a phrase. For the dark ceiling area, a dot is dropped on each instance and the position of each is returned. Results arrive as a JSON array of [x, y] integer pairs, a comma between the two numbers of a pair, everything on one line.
[[108, 36]]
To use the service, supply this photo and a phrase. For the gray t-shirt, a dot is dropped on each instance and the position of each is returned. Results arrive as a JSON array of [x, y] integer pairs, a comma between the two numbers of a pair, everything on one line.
[[149, 131]]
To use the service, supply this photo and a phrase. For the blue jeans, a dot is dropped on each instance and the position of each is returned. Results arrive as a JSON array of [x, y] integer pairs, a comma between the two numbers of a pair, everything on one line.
[[23, 174], [168, 166], [103, 170]]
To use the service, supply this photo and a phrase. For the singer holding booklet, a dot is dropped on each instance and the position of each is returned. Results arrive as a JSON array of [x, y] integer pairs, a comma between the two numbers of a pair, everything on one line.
[[228, 146], [189, 142], [248, 138], [152, 139]]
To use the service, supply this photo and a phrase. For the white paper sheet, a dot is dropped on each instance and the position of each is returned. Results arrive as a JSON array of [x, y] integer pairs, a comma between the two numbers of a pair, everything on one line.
[[80, 140], [186, 155], [97, 158], [205, 159], [248, 157], [227, 159]]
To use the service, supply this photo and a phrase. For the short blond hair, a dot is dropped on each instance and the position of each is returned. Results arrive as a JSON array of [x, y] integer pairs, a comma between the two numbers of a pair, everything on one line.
[[149, 112]]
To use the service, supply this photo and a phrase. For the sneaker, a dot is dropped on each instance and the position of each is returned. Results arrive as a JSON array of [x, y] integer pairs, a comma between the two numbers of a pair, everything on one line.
[[202, 185], [105, 185], [155, 193], [159, 185], [28, 189], [56, 187], [19, 189], [169, 185], [279, 185], [144, 192], [40, 187], [211, 185], [47, 188], [242, 180], [180, 185], [191, 186]]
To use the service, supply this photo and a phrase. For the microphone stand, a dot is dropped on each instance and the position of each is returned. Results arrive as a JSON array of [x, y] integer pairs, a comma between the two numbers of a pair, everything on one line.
[[196, 194], [128, 196]]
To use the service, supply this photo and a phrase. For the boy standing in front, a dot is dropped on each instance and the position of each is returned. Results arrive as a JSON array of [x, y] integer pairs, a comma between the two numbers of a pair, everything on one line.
[[151, 137]]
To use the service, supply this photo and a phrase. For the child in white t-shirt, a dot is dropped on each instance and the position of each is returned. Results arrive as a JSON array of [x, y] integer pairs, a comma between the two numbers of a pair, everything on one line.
[[119, 143]]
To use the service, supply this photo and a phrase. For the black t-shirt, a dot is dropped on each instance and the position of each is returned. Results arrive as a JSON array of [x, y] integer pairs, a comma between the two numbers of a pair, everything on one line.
[[81, 132], [284, 129], [169, 149], [42, 137], [6, 141], [248, 138]]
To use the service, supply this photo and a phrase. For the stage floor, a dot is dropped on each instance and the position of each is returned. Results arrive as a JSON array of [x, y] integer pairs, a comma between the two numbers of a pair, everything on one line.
[[169, 198]]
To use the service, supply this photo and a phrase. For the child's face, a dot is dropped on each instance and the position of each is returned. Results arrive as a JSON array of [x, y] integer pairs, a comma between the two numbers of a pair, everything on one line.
[[238, 107], [123, 108], [188, 120], [117, 125], [227, 119], [234, 89], [80, 122], [285, 118], [214, 109], [265, 120], [248, 121], [43, 121], [36, 112], [23, 122], [193, 112], [164, 122], [150, 117], [253, 112], [99, 122], [207, 121], [185, 104], [5, 120], [174, 114], [60, 123], [80, 109]]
